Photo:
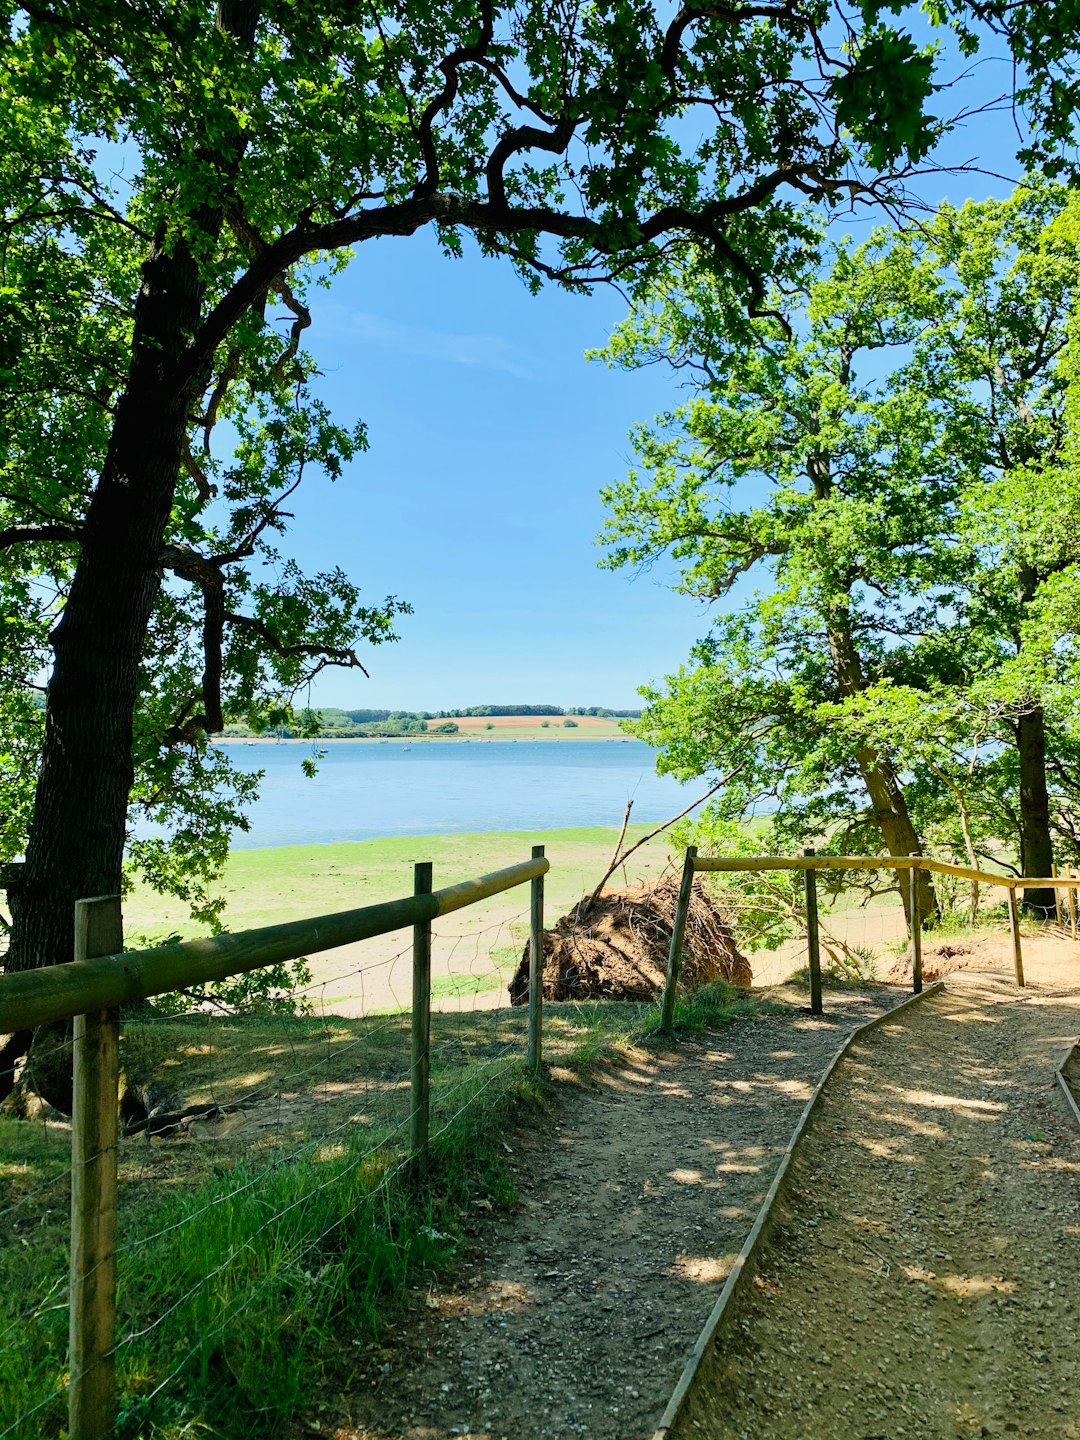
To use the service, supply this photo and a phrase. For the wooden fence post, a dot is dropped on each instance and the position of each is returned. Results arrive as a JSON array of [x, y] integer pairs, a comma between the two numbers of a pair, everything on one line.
[[1014, 926], [94, 1137], [813, 942], [674, 964], [1057, 895], [421, 1026], [1072, 903], [536, 967], [916, 929]]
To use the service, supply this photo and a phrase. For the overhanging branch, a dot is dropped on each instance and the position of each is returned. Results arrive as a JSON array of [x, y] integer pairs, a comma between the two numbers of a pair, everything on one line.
[[53, 533], [485, 217], [328, 654], [208, 572]]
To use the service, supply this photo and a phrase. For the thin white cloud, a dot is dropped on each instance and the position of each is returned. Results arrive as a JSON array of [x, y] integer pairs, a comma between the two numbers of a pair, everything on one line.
[[478, 352]]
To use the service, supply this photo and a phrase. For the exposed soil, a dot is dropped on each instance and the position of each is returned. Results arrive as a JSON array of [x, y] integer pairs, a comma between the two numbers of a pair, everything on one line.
[[1054, 955], [574, 1316], [615, 947], [924, 1280], [945, 957]]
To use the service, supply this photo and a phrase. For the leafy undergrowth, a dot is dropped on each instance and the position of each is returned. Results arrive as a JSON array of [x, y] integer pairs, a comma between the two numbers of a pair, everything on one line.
[[258, 1251]]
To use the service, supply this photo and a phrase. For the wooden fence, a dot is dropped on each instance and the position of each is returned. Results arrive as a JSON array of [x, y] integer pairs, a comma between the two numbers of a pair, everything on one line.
[[810, 863], [102, 978], [92, 988]]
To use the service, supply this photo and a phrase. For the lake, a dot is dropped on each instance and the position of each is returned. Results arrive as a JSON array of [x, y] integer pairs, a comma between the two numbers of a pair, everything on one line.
[[365, 789]]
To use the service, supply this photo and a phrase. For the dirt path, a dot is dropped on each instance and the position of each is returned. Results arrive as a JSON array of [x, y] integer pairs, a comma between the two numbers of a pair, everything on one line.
[[925, 1281], [575, 1315]]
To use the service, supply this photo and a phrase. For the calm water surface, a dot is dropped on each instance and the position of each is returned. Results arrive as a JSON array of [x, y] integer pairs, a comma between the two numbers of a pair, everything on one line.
[[365, 789]]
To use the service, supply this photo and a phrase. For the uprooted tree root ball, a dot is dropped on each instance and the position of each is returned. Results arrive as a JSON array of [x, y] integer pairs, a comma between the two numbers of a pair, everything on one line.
[[615, 947]]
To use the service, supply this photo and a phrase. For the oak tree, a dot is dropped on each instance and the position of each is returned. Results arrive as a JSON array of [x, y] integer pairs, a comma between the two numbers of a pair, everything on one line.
[[175, 179], [804, 463]]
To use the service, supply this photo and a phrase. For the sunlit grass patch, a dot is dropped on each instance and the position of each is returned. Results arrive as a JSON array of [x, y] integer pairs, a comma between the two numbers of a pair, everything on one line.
[[252, 1258]]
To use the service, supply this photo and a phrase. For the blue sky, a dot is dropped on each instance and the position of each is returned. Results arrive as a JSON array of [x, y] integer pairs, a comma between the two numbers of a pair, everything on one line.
[[478, 499], [478, 502]]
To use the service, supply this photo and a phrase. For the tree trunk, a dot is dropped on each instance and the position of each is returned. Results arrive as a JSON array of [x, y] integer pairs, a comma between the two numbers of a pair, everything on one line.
[[1036, 843], [890, 813], [76, 843], [75, 847]]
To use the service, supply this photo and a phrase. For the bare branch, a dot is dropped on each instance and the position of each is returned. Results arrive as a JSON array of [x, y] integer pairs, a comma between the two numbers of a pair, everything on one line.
[[621, 859], [328, 654]]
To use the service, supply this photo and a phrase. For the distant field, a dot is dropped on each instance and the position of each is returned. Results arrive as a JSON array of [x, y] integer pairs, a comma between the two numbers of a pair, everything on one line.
[[480, 727], [532, 727]]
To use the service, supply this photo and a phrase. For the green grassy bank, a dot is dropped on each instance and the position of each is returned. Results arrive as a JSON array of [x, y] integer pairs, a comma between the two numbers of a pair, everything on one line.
[[266, 887]]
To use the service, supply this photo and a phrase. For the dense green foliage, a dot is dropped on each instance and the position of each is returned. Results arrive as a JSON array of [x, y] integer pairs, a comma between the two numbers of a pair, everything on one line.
[[175, 185], [898, 472]]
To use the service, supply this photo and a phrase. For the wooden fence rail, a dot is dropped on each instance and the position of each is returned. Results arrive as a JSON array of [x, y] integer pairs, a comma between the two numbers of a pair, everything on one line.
[[811, 863], [92, 988], [36, 997]]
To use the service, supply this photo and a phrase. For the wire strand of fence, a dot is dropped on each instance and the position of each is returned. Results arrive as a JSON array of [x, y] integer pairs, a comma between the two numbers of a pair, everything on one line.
[[262, 1091], [285, 1160], [280, 1161], [252, 1293], [232, 1311], [39, 1308], [30, 1195], [265, 1091], [235, 1253], [51, 1399], [314, 1078]]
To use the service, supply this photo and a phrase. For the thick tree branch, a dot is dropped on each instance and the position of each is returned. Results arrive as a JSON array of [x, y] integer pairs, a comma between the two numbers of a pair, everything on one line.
[[207, 571], [450, 65], [198, 474], [51, 534], [451, 210]]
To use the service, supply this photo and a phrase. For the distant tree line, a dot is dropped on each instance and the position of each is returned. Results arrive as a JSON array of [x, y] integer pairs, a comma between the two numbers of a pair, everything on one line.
[[364, 717], [340, 724]]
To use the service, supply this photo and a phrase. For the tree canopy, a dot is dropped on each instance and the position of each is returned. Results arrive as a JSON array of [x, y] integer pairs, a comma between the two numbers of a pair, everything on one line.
[[897, 472], [176, 183]]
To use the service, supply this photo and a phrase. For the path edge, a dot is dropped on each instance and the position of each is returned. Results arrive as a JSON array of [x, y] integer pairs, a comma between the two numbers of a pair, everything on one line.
[[1070, 1059], [743, 1266]]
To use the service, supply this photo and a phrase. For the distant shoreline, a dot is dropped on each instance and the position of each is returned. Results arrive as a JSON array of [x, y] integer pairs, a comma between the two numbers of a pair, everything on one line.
[[474, 739]]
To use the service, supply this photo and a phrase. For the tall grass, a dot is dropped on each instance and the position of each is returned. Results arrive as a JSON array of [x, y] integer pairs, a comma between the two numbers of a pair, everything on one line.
[[244, 1293]]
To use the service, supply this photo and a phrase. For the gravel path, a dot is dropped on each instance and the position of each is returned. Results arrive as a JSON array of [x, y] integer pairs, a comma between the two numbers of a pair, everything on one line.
[[925, 1278], [575, 1315]]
